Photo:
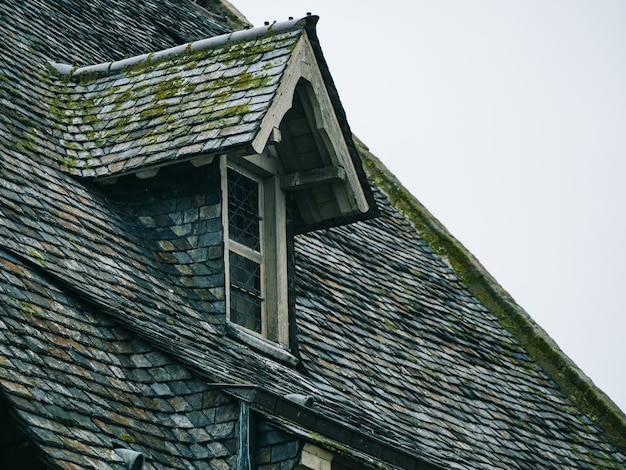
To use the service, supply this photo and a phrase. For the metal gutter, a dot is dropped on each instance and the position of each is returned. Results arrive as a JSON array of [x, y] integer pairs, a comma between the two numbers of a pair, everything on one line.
[[213, 42], [328, 432]]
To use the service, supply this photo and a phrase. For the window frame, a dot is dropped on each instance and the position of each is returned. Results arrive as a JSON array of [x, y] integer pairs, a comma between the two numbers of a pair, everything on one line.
[[248, 253], [273, 250]]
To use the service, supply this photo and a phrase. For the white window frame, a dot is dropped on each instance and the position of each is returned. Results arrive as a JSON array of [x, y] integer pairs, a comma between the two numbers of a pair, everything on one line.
[[273, 250]]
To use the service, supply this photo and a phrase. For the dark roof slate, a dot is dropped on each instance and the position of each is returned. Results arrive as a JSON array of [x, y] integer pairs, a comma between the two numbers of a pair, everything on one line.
[[415, 358], [84, 385], [203, 97], [106, 30], [426, 368], [409, 345]]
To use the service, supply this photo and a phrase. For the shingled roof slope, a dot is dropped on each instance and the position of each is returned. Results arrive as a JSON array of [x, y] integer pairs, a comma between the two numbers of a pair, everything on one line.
[[83, 385], [206, 96], [107, 30], [418, 363], [387, 320], [427, 360]]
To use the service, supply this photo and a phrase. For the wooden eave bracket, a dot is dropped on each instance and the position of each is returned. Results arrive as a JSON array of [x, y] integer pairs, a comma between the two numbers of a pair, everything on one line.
[[303, 65], [318, 176]]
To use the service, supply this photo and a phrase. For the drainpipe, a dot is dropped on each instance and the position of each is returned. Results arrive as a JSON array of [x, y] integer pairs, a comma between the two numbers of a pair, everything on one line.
[[243, 439], [133, 459]]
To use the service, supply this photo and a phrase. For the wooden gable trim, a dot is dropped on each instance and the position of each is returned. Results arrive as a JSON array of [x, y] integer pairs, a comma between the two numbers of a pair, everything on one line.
[[315, 177], [340, 169]]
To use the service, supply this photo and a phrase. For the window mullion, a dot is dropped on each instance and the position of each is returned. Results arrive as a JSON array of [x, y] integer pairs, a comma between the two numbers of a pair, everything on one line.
[[245, 251]]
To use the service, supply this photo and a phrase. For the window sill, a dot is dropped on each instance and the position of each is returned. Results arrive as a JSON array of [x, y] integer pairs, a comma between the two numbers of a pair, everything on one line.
[[261, 345]]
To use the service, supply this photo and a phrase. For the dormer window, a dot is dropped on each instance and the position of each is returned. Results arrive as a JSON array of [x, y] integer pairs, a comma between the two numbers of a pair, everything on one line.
[[255, 249], [245, 250], [274, 119]]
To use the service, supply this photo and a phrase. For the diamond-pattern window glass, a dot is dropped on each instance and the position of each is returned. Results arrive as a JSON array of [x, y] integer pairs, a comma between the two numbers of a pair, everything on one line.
[[243, 210], [245, 292]]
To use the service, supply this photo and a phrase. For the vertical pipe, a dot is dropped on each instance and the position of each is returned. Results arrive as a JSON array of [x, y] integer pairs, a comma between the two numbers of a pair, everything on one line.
[[243, 439]]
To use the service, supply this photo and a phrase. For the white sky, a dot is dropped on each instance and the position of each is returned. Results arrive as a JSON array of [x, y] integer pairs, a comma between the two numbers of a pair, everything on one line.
[[507, 120]]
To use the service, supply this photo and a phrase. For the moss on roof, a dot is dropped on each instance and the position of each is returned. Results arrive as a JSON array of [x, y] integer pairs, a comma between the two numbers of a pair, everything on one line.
[[233, 16], [571, 380], [155, 108]]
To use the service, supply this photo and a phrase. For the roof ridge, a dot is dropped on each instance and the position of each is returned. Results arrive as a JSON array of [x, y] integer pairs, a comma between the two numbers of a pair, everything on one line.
[[208, 43], [570, 379], [222, 85]]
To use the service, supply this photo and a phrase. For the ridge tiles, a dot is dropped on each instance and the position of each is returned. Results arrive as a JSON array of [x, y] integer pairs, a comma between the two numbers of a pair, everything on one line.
[[202, 97]]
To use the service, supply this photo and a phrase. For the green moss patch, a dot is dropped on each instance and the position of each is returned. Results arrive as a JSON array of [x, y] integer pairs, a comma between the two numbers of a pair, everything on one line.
[[573, 383]]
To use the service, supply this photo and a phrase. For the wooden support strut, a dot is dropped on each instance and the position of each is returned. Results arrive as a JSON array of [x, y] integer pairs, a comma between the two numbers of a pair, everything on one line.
[[315, 177]]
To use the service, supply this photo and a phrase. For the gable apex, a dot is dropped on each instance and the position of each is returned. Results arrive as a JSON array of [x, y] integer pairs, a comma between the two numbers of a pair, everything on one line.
[[304, 132], [233, 94]]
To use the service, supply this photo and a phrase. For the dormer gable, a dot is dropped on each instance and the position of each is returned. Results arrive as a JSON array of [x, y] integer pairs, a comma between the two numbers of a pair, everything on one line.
[[255, 92], [216, 154], [303, 131]]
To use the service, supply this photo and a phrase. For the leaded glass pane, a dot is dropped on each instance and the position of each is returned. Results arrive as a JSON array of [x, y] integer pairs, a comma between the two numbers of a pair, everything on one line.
[[243, 210], [245, 292]]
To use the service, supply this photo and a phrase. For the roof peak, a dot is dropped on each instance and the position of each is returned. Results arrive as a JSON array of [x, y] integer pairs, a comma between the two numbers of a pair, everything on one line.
[[208, 43]]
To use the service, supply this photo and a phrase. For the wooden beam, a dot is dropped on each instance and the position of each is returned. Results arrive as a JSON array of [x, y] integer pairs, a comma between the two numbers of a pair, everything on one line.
[[316, 177], [148, 173]]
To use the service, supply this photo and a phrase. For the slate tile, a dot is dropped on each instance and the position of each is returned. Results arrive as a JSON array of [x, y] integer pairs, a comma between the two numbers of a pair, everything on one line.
[[218, 449], [285, 451], [161, 390], [200, 419], [440, 310]]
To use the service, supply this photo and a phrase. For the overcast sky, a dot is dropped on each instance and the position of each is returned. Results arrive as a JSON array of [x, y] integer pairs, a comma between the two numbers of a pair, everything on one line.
[[507, 120]]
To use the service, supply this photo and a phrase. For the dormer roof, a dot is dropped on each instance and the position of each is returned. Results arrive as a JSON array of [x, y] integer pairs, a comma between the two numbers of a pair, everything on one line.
[[225, 94], [416, 357], [202, 97]]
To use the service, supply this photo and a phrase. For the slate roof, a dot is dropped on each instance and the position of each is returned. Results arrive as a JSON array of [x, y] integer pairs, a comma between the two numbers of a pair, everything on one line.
[[101, 342], [107, 29], [407, 339], [84, 385], [207, 96]]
